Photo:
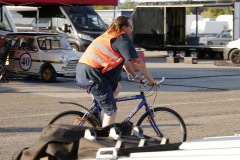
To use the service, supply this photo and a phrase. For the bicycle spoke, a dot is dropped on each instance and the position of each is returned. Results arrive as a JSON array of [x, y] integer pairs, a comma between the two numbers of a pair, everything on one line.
[[170, 125]]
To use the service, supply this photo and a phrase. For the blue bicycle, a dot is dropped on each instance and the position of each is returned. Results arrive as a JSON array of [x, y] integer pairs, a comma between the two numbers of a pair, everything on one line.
[[156, 122]]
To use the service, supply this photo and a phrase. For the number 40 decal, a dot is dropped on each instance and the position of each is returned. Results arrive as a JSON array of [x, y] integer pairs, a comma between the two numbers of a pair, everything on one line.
[[25, 61]]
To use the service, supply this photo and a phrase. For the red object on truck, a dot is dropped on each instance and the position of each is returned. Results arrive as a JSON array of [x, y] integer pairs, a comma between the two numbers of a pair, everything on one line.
[[141, 55]]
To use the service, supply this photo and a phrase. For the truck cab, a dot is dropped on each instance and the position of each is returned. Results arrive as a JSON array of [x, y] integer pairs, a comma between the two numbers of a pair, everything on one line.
[[80, 24]]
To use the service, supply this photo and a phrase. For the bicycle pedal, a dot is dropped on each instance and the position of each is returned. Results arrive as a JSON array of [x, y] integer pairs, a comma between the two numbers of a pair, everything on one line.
[[90, 134], [115, 133], [138, 132]]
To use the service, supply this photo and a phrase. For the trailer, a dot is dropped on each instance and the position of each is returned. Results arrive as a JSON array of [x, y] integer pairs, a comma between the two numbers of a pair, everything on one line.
[[162, 26], [109, 15]]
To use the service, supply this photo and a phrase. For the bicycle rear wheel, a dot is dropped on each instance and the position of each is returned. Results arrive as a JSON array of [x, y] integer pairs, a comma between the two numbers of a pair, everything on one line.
[[169, 123], [73, 118]]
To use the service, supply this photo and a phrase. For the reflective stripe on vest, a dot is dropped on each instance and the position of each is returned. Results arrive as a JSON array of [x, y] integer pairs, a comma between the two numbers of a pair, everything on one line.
[[105, 50], [101, 55]]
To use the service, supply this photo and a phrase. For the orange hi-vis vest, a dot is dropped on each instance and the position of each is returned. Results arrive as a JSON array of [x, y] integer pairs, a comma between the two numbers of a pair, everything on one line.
[[100, 54]]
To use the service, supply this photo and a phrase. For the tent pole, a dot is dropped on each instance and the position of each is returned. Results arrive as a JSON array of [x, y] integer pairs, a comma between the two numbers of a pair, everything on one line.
[[115, 12], [37, 22], [1, 8], [196, 21]]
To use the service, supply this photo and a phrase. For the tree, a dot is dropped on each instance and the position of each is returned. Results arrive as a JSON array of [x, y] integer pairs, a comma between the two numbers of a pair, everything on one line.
[[99, 7], [189, 10], [127, 5], [216, 12], [209, 12]]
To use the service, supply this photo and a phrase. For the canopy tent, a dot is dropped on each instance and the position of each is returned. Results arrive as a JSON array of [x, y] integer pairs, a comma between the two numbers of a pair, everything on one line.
[[58, 2], [39, 3]]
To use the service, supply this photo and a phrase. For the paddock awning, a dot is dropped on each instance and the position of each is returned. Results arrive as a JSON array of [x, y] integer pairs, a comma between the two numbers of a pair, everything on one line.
[[58, 2]]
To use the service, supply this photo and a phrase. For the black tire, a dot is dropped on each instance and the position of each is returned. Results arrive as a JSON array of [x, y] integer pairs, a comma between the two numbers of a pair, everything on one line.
[[70, 117], [212, 55], [48, 74], [194, 54], [171, 53], [234, 56], [182, 54], [169, 122]]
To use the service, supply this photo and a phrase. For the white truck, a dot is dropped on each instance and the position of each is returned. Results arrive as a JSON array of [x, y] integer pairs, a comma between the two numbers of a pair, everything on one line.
[[162, 26]]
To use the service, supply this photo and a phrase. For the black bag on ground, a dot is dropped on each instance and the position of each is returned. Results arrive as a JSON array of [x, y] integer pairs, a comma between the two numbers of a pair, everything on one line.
[[62, 142], [58, 141], [66, 142]]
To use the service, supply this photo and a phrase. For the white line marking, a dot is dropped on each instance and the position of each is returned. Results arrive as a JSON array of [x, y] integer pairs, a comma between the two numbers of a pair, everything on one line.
[[32, 115]]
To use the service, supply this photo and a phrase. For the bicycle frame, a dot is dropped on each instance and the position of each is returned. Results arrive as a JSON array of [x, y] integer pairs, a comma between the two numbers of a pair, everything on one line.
[[142, 103]]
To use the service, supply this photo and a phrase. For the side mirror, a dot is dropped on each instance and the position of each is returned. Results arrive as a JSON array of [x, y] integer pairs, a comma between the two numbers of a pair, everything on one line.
[[67, 28]]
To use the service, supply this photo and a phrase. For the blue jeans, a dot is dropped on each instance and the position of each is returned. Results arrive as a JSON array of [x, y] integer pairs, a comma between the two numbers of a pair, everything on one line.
[[102, 92]]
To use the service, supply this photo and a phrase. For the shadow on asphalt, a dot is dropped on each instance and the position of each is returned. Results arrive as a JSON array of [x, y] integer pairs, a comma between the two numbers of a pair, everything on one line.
[[177, 80], [20, 129]]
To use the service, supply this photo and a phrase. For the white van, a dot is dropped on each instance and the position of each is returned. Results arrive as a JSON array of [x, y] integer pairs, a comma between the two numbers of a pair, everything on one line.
[[80, 24], [6, 22], [46, 54]]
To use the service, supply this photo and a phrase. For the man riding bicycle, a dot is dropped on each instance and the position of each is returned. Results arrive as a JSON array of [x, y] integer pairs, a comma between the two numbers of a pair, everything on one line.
[[101, 65]]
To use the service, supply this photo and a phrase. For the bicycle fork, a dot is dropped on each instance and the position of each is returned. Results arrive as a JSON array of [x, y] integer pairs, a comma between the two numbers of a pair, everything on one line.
[[85, 116], [88, 113], [153, 123]]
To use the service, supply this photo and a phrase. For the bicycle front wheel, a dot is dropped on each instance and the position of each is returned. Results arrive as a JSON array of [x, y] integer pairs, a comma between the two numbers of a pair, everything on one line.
[[2, 72], [169, 122], [73, 118]]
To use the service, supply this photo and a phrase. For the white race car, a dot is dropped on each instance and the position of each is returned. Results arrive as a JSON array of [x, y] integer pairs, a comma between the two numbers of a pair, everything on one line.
[[46, 54], [220, 39], [232, 51]]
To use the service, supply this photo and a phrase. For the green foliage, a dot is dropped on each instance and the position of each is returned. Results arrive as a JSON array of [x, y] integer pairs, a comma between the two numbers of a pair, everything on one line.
[[207, 14], [99, 7], [210, 12], [189, 10], [215, 12], [127, 5]]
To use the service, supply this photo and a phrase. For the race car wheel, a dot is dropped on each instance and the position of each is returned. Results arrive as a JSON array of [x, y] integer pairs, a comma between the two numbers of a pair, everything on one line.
[[234, 56], [48, 74]]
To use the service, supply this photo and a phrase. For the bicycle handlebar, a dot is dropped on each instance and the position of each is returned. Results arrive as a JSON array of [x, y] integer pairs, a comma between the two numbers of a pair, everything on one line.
[[145, 82], [161, 81]]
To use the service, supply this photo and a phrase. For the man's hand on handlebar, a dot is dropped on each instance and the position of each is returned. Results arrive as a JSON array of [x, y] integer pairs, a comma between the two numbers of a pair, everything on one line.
[[140, 80], [154, 84]]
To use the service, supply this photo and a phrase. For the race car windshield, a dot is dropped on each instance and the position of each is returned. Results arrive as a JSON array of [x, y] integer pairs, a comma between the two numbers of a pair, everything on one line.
[[53, 43]]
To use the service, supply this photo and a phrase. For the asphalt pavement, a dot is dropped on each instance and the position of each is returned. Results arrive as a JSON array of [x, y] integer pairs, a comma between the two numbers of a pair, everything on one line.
[[205, 95]]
